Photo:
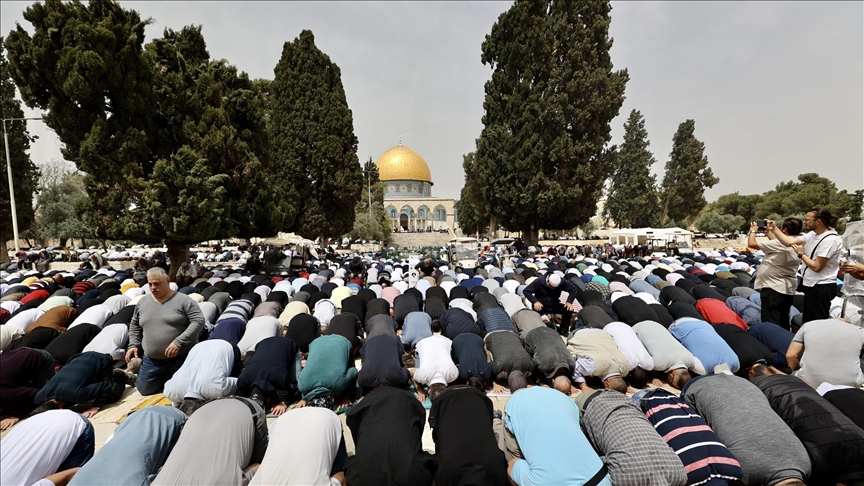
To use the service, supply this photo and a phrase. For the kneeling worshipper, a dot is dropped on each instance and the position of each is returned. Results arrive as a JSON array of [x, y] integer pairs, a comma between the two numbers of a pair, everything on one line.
[[387, 427], [549, 353], [219, 445], [706, 460], [209, 371], [139, 447], [545, 424], [46, 449], [88, 377], [597, 355], [435, 368], [703, 341], [630, 447], [22, 373], [271, 375], [318, 459], [740, 415], [329, 372], [382, 364], [465, 445]]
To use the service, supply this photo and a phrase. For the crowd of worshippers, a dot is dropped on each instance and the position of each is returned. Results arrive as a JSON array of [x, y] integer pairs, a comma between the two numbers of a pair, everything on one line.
[[631, 372]]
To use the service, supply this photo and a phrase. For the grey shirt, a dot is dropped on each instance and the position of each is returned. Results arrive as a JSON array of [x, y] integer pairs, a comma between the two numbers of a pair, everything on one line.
[[742, 418], [832, 353], [154, 326]]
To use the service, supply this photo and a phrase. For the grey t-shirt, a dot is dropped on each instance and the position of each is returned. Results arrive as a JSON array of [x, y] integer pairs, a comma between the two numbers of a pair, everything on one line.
[[154, 326], [832, 353], [742, 418]]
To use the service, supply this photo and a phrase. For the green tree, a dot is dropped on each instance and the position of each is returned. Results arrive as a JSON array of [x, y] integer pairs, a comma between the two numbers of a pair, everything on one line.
[[314, 146], [25, 171], [61, 196], [472, 207], [714, 222], [687, 176], [371, 224], [810, 191], [548, 106], [738, 205], [632, 198], [173, 145]]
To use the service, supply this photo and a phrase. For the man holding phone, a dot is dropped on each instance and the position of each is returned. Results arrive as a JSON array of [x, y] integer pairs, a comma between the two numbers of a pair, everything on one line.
[[776, 279]]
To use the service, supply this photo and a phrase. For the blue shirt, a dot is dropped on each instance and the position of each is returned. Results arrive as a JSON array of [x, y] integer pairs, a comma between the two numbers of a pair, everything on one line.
[[775, 338], [417, 325], [546, 425], [703, 341]]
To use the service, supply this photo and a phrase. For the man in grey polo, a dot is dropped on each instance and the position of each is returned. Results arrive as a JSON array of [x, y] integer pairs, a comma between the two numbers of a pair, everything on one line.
[[166, 325]]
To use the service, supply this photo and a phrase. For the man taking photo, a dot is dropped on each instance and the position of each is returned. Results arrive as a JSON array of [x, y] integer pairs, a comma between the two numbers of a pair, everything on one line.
[[776, 279]]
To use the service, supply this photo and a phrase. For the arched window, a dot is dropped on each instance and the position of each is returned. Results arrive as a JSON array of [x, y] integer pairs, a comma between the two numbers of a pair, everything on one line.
[[440, 213], [391, 211]]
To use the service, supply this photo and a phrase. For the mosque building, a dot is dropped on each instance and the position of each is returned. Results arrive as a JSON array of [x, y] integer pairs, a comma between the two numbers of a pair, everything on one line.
[[408, 199]]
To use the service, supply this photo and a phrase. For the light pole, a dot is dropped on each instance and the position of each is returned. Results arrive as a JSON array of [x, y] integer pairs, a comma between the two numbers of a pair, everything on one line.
[[11, 185]]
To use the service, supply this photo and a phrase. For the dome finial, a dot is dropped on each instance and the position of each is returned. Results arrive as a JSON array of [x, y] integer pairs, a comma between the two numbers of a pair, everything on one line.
[[400, 138]]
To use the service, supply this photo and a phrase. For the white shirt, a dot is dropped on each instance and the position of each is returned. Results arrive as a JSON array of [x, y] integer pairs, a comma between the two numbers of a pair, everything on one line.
[[205, 374], [39, 445], [25, 319], [436, 365], [257, 330], [630, 345], [96, 315], [111, 340], [830, 248], [117, 302], [307, 462]]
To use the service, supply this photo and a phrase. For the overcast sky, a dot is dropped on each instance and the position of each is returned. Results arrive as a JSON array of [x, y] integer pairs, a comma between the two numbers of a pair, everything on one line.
[[776, 88]]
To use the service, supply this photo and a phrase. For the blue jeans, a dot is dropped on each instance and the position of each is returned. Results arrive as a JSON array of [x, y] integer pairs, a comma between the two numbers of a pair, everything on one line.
[[155, 372], [83, 450]]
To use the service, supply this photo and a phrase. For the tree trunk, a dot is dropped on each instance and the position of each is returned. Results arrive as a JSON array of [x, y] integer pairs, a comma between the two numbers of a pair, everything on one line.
[[493, 227], [63, 242], [665, 213], [531, 235], [177, 254], [4, 237]]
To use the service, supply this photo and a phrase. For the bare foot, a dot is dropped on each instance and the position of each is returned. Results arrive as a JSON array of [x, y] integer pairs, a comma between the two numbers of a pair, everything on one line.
[[300, 404], [8, 422], [90, 412], [279, 409]]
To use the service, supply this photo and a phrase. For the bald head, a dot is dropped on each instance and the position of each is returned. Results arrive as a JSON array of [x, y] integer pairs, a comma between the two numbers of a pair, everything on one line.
[[562, 384], [615, 383]]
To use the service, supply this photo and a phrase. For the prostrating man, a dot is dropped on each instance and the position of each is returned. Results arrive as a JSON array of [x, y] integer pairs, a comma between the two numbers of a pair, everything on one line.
[[545, 424], [775, 338], [382, 364], [748, 349], [387, 427], [630, 346], [417, 326], [470, 353], [464, 412], [596, 354], [820, 257], [271, 375], [833, 353], [165, 325], [318, 459], [776, 279], [706, 460], [507, 354], [544, 294], [148, 435], [87, 377], [219, 445], [210, 371], [849, 400], [436, 368], [627, 442], [833, 441], [703, 341], [22, 373], [549, 353], [329, 372], [742, 418], [51, 446]]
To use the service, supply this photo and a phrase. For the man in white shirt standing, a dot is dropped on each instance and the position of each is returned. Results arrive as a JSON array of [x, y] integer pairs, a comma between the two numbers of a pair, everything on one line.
[[820, 255]]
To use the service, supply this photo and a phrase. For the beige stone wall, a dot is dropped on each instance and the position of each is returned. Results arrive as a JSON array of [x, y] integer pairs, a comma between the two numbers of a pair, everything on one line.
[[420, 213]]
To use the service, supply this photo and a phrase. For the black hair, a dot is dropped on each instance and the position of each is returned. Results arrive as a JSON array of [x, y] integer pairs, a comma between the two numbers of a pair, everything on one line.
[[792, 226], [190, 405], [638, 378], [436, 390], [49, 405], [477, 382], [826, 217]]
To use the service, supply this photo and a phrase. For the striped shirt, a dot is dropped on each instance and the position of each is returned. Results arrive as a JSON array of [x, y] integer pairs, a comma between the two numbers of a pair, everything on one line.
[[706, 460]]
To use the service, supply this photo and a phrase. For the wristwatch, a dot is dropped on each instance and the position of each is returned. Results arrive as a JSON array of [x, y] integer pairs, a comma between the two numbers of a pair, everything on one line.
[[801, 256]]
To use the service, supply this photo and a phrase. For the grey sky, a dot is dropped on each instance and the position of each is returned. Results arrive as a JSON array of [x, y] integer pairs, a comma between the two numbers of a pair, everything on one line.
[[776, 88]]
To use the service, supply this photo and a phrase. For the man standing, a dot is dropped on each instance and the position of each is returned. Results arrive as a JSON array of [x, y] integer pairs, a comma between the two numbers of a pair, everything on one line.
[[776, 279], [544, 293], [833, 353], [820, 256], [166, 325]]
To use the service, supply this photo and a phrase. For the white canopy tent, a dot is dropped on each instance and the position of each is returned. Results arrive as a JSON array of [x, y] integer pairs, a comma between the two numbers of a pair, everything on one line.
[[638, 236]]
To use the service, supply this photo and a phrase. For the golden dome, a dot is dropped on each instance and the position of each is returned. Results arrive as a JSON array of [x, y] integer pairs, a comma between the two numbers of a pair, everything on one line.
[[400, 163]]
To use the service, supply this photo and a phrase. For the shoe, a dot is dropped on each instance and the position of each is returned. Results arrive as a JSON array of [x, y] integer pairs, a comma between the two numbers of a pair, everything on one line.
[[498, 414], [131, 379]]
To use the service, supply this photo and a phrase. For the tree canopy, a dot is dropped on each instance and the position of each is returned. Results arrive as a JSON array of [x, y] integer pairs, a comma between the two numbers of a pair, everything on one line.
[[542, 154], [632, 198], [314, 146], [25, 171], [687, 176], [472, 208], [59, 205], [172, 144], [371, 224]]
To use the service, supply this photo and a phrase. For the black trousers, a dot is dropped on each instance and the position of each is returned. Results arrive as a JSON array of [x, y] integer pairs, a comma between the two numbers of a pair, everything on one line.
[[775, 307], [817, 301], [566, 316]]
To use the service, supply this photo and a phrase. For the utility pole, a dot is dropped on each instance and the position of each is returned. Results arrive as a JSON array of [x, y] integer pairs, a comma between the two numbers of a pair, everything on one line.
[[11, 184]]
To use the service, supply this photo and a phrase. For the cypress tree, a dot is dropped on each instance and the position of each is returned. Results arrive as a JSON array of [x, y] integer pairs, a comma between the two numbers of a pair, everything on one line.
[[314, 146], [687, 176], [632, 198]]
